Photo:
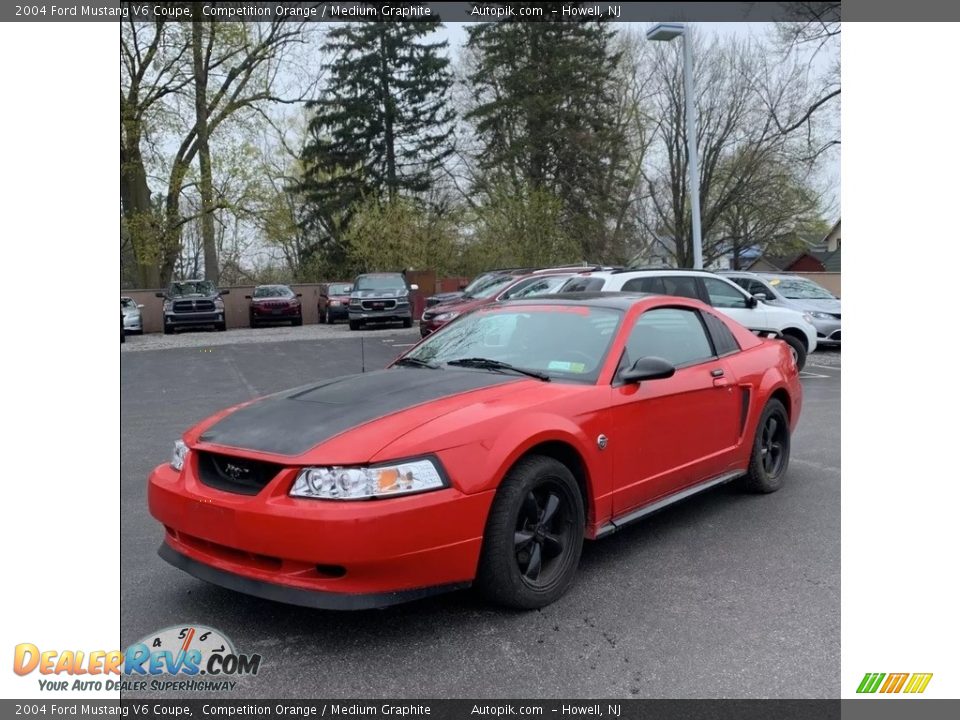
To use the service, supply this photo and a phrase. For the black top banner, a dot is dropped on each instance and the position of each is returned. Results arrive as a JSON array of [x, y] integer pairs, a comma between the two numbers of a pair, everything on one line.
[[404, 11]]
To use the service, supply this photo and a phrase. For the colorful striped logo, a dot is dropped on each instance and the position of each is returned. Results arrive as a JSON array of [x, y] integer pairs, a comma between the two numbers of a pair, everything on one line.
[[894, 682]]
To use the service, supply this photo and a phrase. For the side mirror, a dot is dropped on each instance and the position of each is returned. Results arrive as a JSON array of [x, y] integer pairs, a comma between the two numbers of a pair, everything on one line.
[[140, 306], [299, 294], [414, 287], [761, 296], [249, 297], [462, 286], [160, 295], [648, 368], [752, 301], [224, 292]]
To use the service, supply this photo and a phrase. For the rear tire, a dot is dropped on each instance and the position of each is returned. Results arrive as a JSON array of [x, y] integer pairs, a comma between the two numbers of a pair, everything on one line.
[[799, 350], [771, 451], [534, 535]]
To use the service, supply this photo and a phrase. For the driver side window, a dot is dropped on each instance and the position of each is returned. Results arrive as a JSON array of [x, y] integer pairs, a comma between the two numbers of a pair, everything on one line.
[[674, 334]]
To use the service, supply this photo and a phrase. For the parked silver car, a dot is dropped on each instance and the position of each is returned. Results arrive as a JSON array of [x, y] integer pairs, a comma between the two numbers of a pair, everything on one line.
[[132, 316], [799, 293]]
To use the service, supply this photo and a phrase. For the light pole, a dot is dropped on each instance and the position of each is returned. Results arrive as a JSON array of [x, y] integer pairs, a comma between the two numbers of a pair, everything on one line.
[[667, 32]]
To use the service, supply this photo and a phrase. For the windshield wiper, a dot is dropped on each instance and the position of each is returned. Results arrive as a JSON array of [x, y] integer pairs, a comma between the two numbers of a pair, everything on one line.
[[416, 362], [490, 364]]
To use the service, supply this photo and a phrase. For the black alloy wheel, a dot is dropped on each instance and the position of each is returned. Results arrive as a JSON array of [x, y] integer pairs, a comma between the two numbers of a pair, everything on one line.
[[771, 450], [534, 535], [544, 531]]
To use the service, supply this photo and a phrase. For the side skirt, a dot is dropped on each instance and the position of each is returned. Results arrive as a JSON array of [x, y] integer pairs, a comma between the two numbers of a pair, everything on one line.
[[640, 513]]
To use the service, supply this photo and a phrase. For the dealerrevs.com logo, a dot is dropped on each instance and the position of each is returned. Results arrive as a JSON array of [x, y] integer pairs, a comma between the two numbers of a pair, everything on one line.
[[177, 658], [909, 683]]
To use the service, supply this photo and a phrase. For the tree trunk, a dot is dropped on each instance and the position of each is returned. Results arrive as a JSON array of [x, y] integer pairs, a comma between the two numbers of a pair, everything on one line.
[[388, 118], [210, 264]]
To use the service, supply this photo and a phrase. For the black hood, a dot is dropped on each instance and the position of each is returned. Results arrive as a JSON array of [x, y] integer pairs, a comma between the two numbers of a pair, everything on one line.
[[292, 422]]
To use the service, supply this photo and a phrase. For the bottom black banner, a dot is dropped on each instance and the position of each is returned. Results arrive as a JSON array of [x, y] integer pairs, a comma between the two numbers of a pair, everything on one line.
[[465, 709]]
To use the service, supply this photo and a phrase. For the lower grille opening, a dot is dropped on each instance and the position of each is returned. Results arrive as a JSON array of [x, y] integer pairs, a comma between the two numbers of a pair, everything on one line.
[[331, 571], [235, 475]]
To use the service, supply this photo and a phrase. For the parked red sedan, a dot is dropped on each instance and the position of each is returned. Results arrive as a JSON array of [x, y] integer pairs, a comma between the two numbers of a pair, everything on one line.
[[495, 289], [274, 303], [486, 454]]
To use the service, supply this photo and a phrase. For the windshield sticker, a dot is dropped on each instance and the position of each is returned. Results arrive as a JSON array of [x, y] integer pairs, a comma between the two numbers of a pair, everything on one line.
[[570, 367], [775, 281]]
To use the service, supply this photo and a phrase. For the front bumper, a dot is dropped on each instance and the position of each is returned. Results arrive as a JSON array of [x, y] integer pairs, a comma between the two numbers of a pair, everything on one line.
[[828, 331], [400, 312], [318, 553], [185, 319], [337, 312]]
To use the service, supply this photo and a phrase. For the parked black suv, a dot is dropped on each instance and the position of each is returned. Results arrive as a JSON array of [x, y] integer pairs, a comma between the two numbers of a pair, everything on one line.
[[380, 297], [193, 303]]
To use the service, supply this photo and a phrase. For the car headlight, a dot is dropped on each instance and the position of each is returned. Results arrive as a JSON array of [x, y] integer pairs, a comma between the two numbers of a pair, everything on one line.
[[447, 316], [167, 305], [179, 456], [360, 483], [218, 303], [808, 317], [821, 315], [354, 302], [334, 303]]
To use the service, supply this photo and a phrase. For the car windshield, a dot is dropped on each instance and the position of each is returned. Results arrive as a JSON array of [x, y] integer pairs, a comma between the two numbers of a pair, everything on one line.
[[565, 342], [480, 281], [340, 289], [192, 287], [380, 282], [127, 303], [800, 289], [491, 288], [271, 291], [536, 286]]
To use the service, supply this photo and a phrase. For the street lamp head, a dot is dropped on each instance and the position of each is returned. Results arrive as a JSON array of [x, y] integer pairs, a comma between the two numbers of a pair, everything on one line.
[[665, 31]]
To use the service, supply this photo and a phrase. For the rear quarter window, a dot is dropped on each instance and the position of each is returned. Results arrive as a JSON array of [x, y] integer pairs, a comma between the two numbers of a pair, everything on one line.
[[723, 340]]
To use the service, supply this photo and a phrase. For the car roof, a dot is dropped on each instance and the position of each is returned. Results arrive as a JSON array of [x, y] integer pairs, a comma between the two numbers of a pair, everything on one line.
[[614, 300], [279, 285], [379, 274], [649, 271]]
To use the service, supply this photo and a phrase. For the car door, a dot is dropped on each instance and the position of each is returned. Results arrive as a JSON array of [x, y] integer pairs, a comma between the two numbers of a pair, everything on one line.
[[671, 433], [734, 302]]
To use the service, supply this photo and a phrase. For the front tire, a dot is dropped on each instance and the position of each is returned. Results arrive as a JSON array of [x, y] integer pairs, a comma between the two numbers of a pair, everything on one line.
[[220, 326], [355, 325], [771, 451], [408, 322], [167, 329], [534, 535], [799, 349]]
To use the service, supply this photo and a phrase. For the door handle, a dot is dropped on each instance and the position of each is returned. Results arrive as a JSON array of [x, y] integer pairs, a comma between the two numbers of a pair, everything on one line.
[[717, 372]]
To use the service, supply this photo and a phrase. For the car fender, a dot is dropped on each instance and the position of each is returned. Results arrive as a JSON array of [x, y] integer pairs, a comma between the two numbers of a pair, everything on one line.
[[786, 319], [494, 456]]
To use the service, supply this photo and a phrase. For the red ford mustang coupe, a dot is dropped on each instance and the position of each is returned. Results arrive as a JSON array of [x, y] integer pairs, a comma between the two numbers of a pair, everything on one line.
[[485, 455]]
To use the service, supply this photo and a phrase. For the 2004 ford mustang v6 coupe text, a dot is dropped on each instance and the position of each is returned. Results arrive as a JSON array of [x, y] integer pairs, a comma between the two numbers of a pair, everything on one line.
[[486, 454]]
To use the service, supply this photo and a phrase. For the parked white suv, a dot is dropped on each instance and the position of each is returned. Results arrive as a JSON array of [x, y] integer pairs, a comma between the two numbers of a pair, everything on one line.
[[793, 327]]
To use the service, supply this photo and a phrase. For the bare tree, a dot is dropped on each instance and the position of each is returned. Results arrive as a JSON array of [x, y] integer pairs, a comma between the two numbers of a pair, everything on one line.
[[739, 139], [231, 68]]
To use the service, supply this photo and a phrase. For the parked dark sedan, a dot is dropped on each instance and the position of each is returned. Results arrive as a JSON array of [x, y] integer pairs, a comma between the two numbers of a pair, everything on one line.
[[275, 303], [334, 301]]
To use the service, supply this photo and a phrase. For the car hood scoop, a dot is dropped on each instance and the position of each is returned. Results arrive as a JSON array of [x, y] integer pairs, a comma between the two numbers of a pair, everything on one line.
[[292, 422]]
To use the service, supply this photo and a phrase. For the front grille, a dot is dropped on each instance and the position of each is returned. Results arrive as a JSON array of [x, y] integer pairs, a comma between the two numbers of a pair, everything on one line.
[[379, 304], [185, 306], [235, 475], [274, 304]]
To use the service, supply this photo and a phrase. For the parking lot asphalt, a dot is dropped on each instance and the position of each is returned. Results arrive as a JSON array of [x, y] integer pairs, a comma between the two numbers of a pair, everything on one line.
[[724, 595]]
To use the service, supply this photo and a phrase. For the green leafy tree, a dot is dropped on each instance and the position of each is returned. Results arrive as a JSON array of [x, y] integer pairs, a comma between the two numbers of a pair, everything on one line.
[[382, 127], [520, 228], [545, 111], [400, 234]]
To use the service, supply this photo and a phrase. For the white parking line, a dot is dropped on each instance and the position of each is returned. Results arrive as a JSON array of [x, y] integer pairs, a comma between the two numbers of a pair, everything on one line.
[[805, 374]]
